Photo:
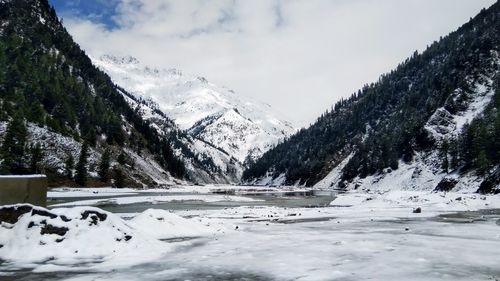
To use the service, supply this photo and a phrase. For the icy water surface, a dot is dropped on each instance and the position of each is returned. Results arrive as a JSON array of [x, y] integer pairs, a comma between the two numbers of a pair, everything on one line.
[[455, 246], [309, 199]]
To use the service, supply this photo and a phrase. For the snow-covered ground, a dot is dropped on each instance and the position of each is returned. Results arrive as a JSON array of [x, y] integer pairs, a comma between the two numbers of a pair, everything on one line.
[[363, 235], [90, 192], [157, 199]]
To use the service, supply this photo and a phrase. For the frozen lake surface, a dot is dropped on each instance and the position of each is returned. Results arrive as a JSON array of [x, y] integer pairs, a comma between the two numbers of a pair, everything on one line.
[[248, 234]]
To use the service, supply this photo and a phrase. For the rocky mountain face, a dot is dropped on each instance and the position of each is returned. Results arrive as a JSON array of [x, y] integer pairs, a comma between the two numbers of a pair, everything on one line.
[[53, 100], [232, 124], [432, 123], [204, 162]]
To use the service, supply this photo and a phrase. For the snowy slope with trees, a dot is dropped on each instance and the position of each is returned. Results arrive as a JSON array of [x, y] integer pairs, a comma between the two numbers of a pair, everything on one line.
[[432, 123], [62, 116]]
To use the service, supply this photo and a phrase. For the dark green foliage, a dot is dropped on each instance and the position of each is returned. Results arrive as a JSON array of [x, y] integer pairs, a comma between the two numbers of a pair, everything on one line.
[[384, 122], [36, 156], [13, 148], [81, 166], [453, 152], [69, 165], [104, 166], [49, 80], [118, 177], [479, 145], [167, 159], [122, 158], [491, 183], [443, 153]]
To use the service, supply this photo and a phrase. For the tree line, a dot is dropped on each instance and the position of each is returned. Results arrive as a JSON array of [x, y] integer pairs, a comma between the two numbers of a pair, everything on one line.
[[46, 79], [18, 157], [384, 122]]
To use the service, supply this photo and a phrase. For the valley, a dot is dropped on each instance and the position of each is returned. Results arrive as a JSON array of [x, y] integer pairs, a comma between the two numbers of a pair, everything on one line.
[[155, 173]]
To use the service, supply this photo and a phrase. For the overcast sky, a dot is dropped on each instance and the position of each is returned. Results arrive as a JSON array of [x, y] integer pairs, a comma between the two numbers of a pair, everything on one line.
[[300, 56]]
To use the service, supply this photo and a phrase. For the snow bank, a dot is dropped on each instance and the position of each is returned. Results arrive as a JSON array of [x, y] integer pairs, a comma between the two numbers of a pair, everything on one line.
[[432, 201], [88, 192], [34, 234], [168, 225], [158, 199], [31, 236]]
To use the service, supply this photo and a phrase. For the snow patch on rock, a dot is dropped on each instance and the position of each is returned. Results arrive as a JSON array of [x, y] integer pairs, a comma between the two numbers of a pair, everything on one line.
[[88, 237]]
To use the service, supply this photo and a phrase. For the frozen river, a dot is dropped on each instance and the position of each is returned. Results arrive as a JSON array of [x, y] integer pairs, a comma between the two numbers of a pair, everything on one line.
[[297, 235]]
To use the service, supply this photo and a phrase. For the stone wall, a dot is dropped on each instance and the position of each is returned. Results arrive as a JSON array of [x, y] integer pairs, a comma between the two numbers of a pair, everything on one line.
[[30, 189]]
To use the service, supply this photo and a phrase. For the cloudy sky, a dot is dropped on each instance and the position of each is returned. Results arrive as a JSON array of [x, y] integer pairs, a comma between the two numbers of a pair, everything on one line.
[[300, 56]]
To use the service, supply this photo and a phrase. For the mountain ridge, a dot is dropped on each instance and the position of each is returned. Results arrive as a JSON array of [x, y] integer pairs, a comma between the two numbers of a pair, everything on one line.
[[240, 126], [59, 100], [383, 126]]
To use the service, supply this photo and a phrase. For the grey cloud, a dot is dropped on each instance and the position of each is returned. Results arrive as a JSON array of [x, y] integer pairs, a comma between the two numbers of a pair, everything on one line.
[[299, 56]]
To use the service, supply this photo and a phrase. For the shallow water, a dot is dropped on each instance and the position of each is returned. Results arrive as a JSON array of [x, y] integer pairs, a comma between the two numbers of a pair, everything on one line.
[[310, 199]]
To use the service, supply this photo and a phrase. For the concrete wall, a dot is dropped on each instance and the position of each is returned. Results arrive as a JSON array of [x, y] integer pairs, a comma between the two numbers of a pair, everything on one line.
[[30, 189]]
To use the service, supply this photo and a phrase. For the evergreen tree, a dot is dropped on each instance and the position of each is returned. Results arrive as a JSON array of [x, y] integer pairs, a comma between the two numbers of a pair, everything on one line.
[[36, 114], [443, 154], [104, 166], [3, 114], [36, 156], [122, 158], [482, 162], [69, 165], [13, 147], [81, 166], [496, 136], [118, 180], [454, 160]]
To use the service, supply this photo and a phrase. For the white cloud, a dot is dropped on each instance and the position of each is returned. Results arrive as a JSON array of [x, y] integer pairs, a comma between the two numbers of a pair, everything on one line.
[[299, 56]]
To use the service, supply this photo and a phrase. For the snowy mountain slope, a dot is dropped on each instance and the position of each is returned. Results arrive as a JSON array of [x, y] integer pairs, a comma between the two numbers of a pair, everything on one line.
[[239, 126], [443, 124], [204, 162], [431, 123], [426, 172], [145, 171]]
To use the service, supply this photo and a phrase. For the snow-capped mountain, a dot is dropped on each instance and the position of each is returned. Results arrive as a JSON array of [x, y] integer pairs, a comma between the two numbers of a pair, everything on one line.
[[239, 126], [204, 162]]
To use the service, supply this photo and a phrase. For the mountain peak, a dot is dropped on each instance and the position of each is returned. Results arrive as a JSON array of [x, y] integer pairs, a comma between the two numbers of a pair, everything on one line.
[[120, 60], [192, 101]]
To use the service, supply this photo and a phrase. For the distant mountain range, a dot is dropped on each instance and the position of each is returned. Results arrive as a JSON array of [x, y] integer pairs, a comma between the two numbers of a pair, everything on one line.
[[240, 126]]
